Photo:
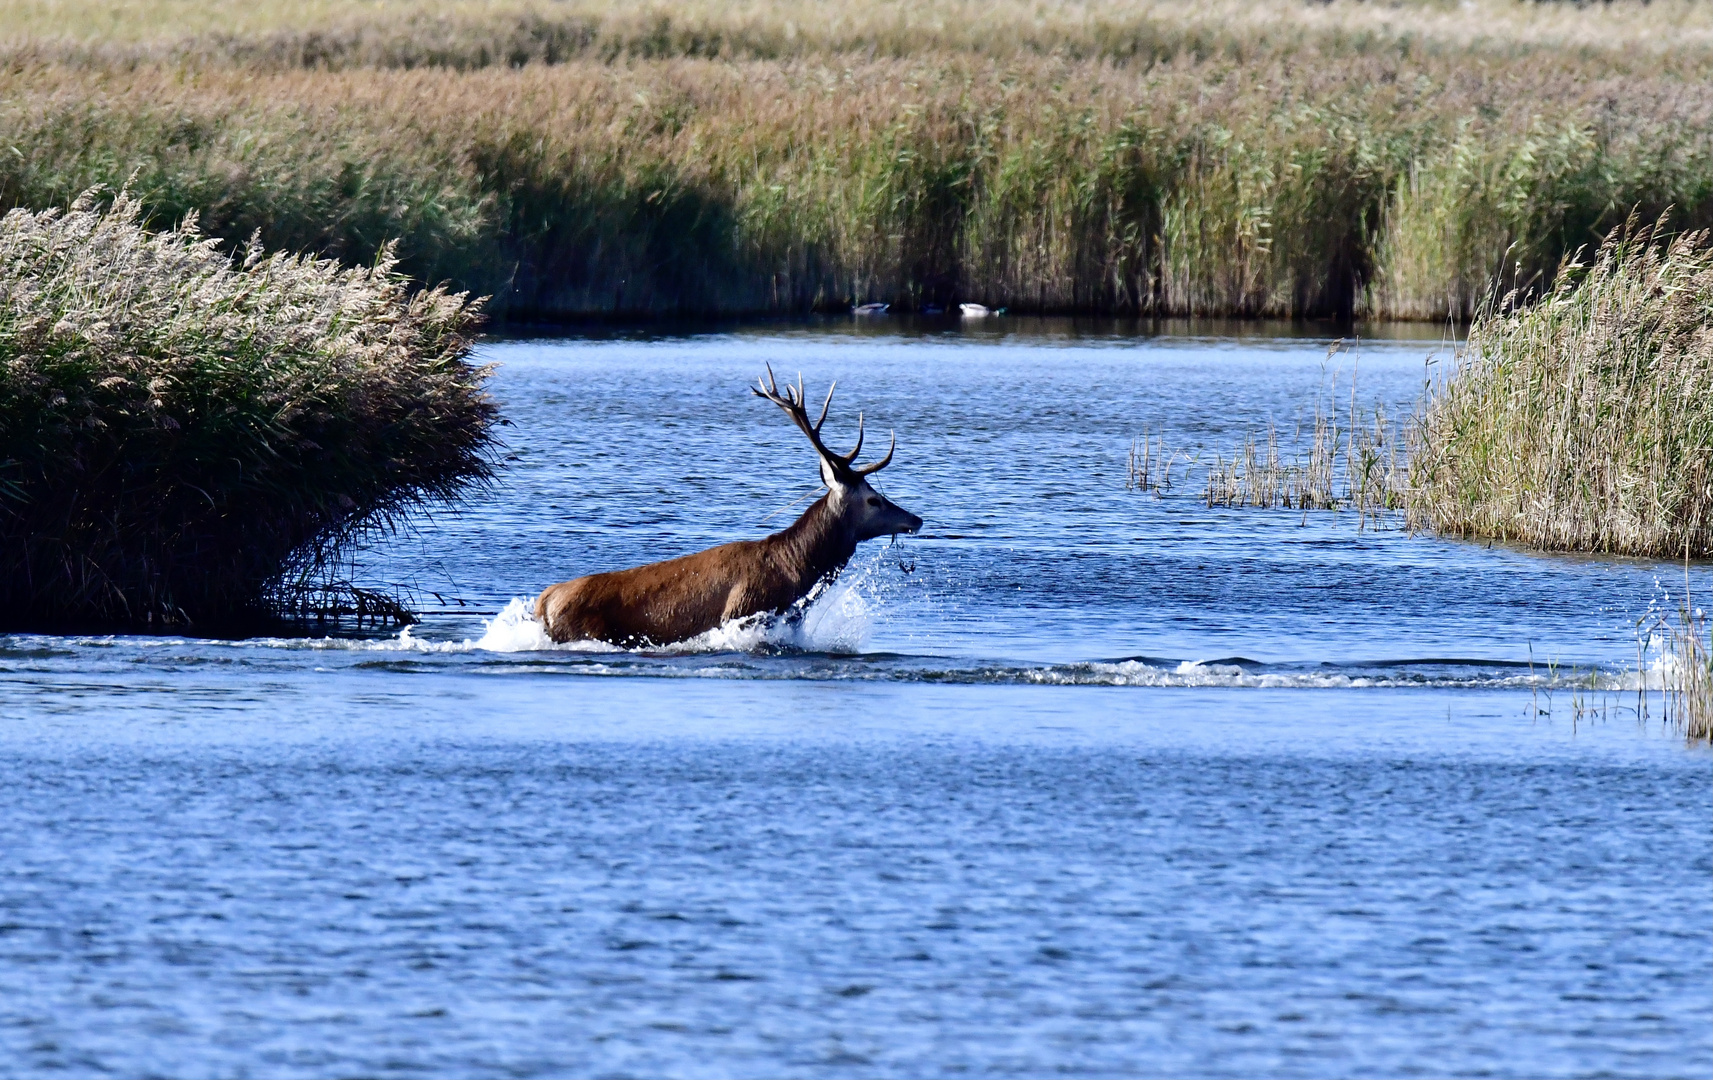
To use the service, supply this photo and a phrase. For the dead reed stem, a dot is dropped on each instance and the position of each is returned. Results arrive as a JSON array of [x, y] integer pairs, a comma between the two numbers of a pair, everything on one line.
[[1685, 652]]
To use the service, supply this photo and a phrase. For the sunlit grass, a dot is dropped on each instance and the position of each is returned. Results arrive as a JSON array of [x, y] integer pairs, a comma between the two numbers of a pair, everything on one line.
[[474, 32]]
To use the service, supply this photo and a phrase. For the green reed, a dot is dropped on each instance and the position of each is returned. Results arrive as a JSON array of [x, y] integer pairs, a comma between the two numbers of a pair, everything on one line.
[[1583, 421]]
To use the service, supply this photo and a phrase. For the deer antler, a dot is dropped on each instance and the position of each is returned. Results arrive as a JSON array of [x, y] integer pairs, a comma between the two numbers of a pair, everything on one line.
[[792, 401]]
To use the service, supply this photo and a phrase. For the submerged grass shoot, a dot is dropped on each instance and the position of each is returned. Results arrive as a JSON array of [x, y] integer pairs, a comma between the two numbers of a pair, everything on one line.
[[1354, 468], [1352, 461]]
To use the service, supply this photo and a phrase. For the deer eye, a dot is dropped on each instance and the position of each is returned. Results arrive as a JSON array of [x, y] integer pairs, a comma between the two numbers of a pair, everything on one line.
[[872, 501]]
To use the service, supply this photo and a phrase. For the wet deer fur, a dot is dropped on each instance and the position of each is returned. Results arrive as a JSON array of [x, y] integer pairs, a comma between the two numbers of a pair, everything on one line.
[[679, 598]]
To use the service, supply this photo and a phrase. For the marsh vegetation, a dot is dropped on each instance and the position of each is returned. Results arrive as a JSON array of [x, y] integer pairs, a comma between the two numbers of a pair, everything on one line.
[[190, 439], [1582, 420], [590, 158]]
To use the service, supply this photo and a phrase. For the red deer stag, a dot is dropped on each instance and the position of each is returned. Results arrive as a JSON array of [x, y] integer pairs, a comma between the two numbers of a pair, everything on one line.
[[670, 601]]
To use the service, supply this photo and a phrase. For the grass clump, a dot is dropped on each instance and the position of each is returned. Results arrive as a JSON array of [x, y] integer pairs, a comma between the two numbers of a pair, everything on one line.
[[1687, 649], [1583, 421], [1352, 461], [186, 438]]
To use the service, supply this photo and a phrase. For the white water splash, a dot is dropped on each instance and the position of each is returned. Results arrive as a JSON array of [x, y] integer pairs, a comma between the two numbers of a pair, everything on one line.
[[514, 629], [834, 619], [1197, 673]]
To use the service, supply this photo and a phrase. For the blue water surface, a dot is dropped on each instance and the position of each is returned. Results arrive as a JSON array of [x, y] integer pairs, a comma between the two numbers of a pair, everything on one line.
[[1083, 781]]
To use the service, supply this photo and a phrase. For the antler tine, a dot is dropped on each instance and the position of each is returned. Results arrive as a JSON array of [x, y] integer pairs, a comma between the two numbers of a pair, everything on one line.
[[768, 389], [850, 458], [792, 401], [883, 462], [825, 405]]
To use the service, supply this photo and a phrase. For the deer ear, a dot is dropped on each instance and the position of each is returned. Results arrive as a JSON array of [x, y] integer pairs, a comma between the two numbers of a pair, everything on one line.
[[828, 476]]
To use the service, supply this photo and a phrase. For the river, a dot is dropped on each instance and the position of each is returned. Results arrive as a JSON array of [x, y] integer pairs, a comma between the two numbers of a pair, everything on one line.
[[1083, 780]]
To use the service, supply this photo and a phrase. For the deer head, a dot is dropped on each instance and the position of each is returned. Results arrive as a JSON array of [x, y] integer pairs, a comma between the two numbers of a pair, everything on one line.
[[864, 512]]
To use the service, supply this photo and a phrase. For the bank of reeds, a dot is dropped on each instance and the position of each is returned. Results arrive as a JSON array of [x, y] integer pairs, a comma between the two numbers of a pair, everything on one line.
[[1145, 158], [1580, 419], [186, 438], [1583, 421]]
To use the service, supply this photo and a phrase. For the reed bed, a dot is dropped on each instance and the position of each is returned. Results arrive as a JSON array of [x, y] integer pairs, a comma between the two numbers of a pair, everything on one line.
[[1583, 421], [1355, 468], [591, 159], [1577, 420], [470, 34], [190, 439]]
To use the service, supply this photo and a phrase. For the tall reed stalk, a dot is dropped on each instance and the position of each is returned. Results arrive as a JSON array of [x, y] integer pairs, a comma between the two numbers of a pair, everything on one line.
[[1688, 651]]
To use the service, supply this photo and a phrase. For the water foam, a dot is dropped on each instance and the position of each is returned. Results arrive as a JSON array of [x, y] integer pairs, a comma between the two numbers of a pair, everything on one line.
[[514, 629], [1197, 673]]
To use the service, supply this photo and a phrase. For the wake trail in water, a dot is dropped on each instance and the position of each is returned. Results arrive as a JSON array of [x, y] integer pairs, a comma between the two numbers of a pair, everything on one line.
[[823, 639], [763, 649]]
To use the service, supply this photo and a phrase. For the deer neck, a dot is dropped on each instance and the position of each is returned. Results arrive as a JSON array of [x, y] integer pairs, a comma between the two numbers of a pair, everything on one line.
[[816, 544]]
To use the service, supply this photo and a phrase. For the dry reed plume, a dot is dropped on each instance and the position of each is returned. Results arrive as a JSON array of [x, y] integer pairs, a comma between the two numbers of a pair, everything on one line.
[[1583, 422], [587, 158], [184, 437]]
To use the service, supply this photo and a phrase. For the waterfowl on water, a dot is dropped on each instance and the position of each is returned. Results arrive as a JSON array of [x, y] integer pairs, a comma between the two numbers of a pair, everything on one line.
[[870, 309]]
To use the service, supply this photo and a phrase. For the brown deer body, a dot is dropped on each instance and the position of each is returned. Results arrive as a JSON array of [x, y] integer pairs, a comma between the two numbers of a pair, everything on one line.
[[670, 601]]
